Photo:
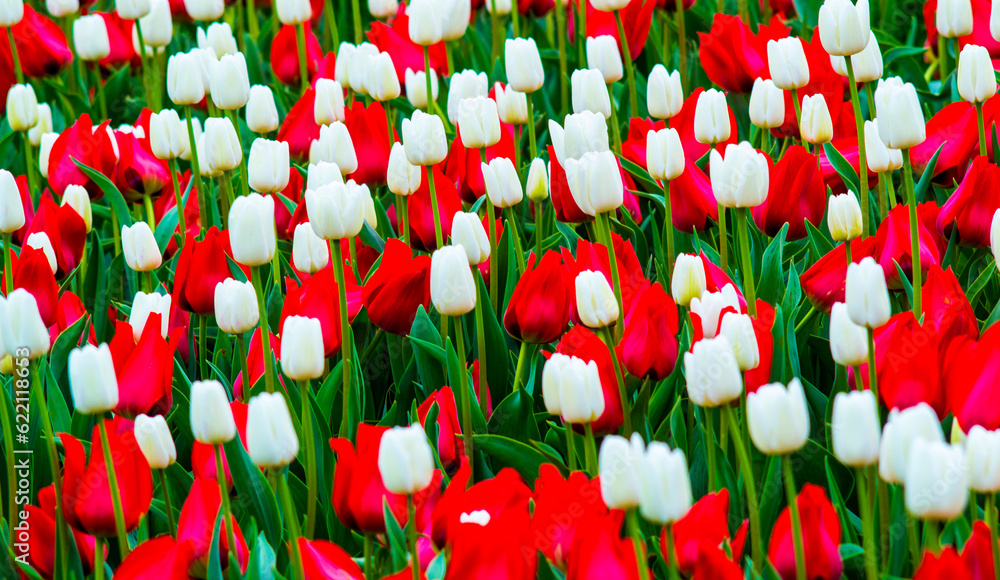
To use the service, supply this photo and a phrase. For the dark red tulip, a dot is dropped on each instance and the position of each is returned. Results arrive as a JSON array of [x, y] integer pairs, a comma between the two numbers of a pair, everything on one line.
[[394, 291], [203, 456], [648, 347], [255, 362], [32, 272], [502, 494], [120, 40], [405, 53], [41, 540], [797, 194], [370, 133], [91, 146], [201, 266], [511, 554], [285, 54], [41, 47], [537, 8], [322, 560], [319, 298], [421, 218], [464, 166], [539, 307], [949, 566], [86, 494], [161, 558], [714, 564], [893, 245], [139, 172], [706, 525], [358, 491], [145, 370], [595, 257], [560, 504], [972, 205], [66, 230], [820, 537], [637, 17], [584, 344], [600, 553], [450, 444], [197, 525], [824, 282], [945, 305]]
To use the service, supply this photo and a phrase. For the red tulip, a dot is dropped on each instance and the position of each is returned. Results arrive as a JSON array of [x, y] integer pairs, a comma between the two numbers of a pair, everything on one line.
[[537, 8], [714, 564], [762, 324], [538, 311], [421, 219], [945, 305], [505, 493], [893, 245], [139, 172], [358, 491], [797, 195], [399, 285], [32, 272], [733, 56], [201, 265], [69, 309], [474, 371], [820, 537], [716, 279], [906, 356], [255, 362], [706, 525], [972, 205], [636, 17], [980, 36], [299, 128], [86, 494], [285, 54], [66, 230], [41, 540], [511, 554], [162, 558], [464, 166], [145, 370], [824, 282], [970, 380], [954, 130], [949, 566], [648, 347], [203, 456], [600, 553], [370, 133], [294, 192], [120, 40], [404, 52], [319, 297], [197, 525], [323, 560], [41, 47], [584, 344], [450, 444], [560, 504], [91, 146], [595, 257]]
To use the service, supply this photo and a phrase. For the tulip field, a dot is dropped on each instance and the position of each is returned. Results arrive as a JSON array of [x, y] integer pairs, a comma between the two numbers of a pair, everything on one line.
[[495, 290]]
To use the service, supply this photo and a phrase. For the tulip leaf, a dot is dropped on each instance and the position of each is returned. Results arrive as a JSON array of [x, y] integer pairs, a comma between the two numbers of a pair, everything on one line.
[[115, 198], [641, 175], [237, 271], [507, 452], [371, 238], [496, 345], [167, 225], [251, 485], [846, 521], [514, 417], [993, 317], [262, 560], [818, 241], [214, 564], [64, 343], [920, 189], [901, 52], [980, 283], [905, 281], [431, 365], [844, 169], [395, 536], [771, 285]]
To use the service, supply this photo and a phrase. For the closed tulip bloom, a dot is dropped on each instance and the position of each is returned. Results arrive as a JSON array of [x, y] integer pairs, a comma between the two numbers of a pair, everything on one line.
[[843, 217], [261, 113], [140, 249], [132, 9], [302, 348], [982, 451], [848, 341], [90, 38], [994, 236], [360, 64], [712, 372], [335, 145], [499, 7], [212, 420], [11, 207], [167, 134], [203, 156], [778, 418], [738, 330], [995, 20], [186, 142], [816, 126], [58, 8], [527, 74], [937, 481], [251, 229], [42, 126], [844, 27], [223, 150], [405, 460], [512, 105], [382, 8], [328, 106], [21, 325], [479, 122], [595, 300], [953, 18], [41, 241], [424, 23], [585, 132], [710, 307], [855, 428], [402, 177], [619, 463], [976, 79], [92, 379], [467, 84], [867, 63], [571, 387], [268, 165], [11, 12], [231, 83], [664, 154], [157, 25], [502, 183], [767, 105], [880, 157], [902, 429], [144, 305], [688, 281], [337, 210], [741, 178], [416, 88], [538, 181], [236, 310], [22, 107], [155, 441], [453, 290], [898, 114], [590, 93], [310, 253], [664, 485], [664, 94], [76, 197], [711, 118], [219, 37], [44, 148], [271, 439], [595, 182], [424, 139], [468, 232], [382, 82], [866, 294], [603, 55], [204, 10], [787, 63], [455, 20], [292, 12]]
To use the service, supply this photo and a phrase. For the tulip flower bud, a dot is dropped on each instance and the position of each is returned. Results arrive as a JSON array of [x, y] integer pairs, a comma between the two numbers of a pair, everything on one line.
[[303, 339], [741, 178], [603, 55], [292, 12], [848, 341], [155, 441], [467, 231], [953, 18], [855, 428], [310, 252], [538, 181], [44, 148], [92, 379], [41, 241], [901, 431], [778, 418], [898, 114], [335, 145], [843, 217], [208, 64], [664, 154], [937, 480], [405, 461], [815, 125], [499, 7], [251, 229], [204, 10], [11, 12], [184, 84], [261, 113], [866, 294], [143, 305], [618, 464], [738, 329], [844, 28], [995, 20], [503, 186], [424, 139], [585, 132], [328, 107], [382, 82], [664, 94], [688, 282], [571, 387], [664, 484], [478, 122], [713, 374], [610, 5], [595, 300], [337, 210], [206, 168], [271, 439], [56, 8], [467, 84], [268, 165], [21, 325], [76, 197], [212, 420], [236, 308], [132, 9], [11, 207], [527, 74], [41, 127], [787, 63], [402, 177], [424, 23], [381, 9], [767, 105], [453, 290], [981, 451], [231, 84], [359, 65], [90, 38], [595, 182], [880, 157], [590, 92], [455, 19], [22, 107], [511, 105], [711, 118], [994, 235], [157, 25], [167, 134], [140, 249], [976, 79], [867, 63], [416, 88]]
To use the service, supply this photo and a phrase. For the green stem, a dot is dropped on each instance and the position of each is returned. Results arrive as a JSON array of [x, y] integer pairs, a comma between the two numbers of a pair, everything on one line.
[[882, 493], [494, 268], [570, 447], [346, 348], [516, 236], [616, 137], [300, 42], [102, 101], [331, 25], [401, 217], [539, 228], [590, 449], [411, 536], [179, 201], [912, 539], [932, 540], [252, 23], [196, 174], [29, 164], [144, 61], [943, 58], [308, 460], [746, 468], [496, 33], [723, 239], [8, 445], [868, 523], [671, 552], [982, 129], [116, 496], [369, 548], [167, 504], [605, 334], [438, 232], [265, 333], [291, 517], [638, 542], [227, 518], [581, 34], [991, 519], [427, 81], [681, 43], [872, 370], [793, 508], [883, 187], [533, 146], [914, 238], [99, 558], [203, 345], [522, 358], [629, 71], [604, 225], [18, 73], [358, 30], [859, 123], [668, 228], [798, 108], [708, 435], [744, 237], [741, 7], [561, 32], [466, 398], [147, 203], [8, 272]]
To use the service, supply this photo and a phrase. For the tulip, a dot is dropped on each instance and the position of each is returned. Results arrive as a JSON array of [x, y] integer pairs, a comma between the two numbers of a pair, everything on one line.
[[402, 177], [416, 88], [43, 126], [767, 105], [204, 10], [90, 38], [22, 325], [585, 132], [467, 231], [902, 430], [139, 246], [323, 173], [44, 149], [465, 85], [212, 420], [898, 114], [154, 439], [261, 113], [457, 15], [937, 480], [843, 217], [222, 149], [664, 154], [11, 208], [815, 124], [738, 330], [816, 535], [22, 107], [11, 13], [603, 55], [231, 83], [880, 158], [78, 199], [664, 94], [251, 229], [167, 134], [328, 106], [293, 12], [619, 463], [539, 306], [595, 182], [527, 75], [271, 439], [132, 9], [59, 8], [395, 290], [500, 7], [405, 461], [787, 62], [595, 300], [994, 237], [867, 63], [310, 253], [157, 25], [236, 310], [866, 294], [589, 92], [711, 306], [688, 280], [537, 186], [381, 9], [741, 178], [512, 105], [502, 184], [478, 122], [844, 27], [855, 427], [219, 37], [143, 306], [712, 372], [424, 23], [92, 379], [424, 139], [337, 211], [382, 82], [778, 418], [711, 118], [571, 387], [335, 145], [268, 165], [981, 449], [976, 80], [847, 340], [40, 241], [453, 290], [664, 484], [953, 18]]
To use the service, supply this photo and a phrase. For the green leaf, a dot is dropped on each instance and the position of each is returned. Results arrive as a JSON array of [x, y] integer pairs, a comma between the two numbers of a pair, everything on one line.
[[514, 417], [262, 559], [251, 485], [395, 536], [214, 564], [507, 452], [771, 286], [115, 198], [497, 359], [843, 167], [920, 189]]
